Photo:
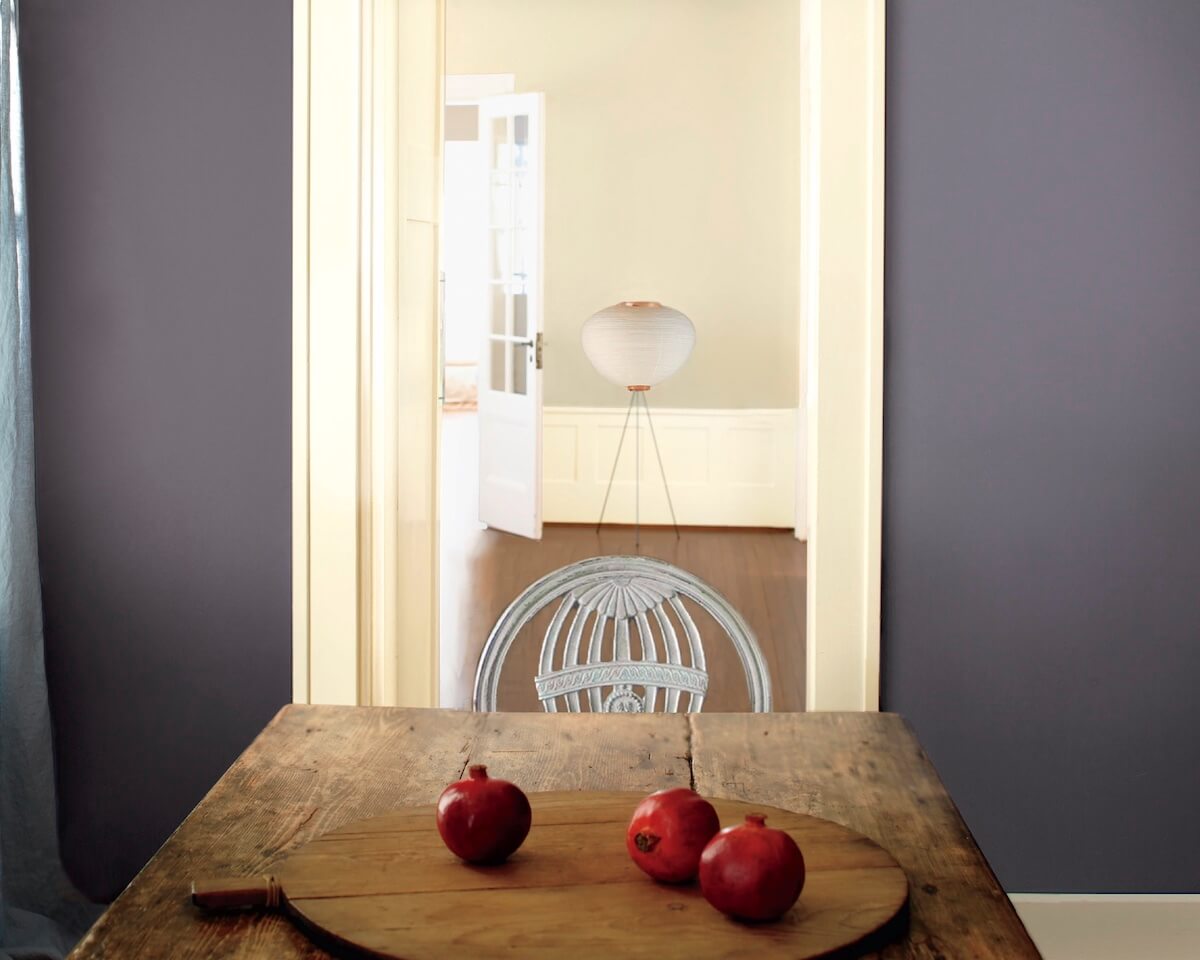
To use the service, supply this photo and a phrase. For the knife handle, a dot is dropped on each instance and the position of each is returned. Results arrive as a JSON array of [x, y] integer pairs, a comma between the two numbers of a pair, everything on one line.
[[238, 894]]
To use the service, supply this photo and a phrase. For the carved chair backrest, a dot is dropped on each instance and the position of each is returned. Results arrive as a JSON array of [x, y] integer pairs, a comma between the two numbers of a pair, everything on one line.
[[615, 638]]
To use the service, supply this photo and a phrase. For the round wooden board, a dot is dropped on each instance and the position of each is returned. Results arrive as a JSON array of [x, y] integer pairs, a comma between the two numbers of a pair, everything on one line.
[[388, 887]]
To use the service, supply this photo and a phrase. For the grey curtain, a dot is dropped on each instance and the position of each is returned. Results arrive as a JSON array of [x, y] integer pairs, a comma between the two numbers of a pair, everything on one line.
[[40, 913]]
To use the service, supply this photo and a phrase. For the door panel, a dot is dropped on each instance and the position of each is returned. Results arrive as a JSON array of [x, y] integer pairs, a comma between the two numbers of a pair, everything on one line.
[[510, 389]]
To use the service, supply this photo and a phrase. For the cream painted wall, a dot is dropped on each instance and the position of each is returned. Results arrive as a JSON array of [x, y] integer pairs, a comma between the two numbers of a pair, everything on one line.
[[672, 173]]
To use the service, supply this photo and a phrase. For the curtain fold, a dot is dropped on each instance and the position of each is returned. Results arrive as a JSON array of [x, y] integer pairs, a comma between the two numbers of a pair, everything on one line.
[[41, 915]]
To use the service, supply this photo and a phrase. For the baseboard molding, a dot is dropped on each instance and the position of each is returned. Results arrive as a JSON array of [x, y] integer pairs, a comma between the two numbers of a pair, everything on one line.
[[1072, 926], [733, 468]]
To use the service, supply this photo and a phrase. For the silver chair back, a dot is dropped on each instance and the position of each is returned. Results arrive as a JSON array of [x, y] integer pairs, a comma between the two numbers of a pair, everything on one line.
[[615, 638]]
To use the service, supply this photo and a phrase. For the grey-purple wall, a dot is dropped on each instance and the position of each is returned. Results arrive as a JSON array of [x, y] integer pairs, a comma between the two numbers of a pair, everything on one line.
[[158, 142], [1042, 428]]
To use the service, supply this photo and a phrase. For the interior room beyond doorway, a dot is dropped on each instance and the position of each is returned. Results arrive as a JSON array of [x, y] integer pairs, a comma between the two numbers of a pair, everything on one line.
[[569, 187]]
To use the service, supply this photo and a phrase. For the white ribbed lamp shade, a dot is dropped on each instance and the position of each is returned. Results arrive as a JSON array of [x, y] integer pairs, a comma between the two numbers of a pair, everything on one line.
[[638, 343]]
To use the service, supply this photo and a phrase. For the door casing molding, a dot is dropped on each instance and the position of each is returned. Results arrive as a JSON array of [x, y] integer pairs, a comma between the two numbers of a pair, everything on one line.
[[842, 112], [366, 197], [366, 188]]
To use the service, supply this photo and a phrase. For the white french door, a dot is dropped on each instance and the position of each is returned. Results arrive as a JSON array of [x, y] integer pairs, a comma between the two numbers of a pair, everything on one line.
[[510, 374]]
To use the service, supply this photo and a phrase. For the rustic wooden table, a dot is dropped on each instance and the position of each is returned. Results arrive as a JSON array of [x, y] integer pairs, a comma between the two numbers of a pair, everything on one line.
[[315, 768]]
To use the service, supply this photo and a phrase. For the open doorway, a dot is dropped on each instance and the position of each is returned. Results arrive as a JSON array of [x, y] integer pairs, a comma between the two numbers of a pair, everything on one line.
[[568, 187], [366, 214]]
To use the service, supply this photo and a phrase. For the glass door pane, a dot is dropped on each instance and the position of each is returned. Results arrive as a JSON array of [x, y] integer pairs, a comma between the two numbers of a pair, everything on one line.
[[513, 211]]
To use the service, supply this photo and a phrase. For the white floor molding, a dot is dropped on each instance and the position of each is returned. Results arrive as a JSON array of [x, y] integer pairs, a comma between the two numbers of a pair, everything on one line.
[[1112, 926]]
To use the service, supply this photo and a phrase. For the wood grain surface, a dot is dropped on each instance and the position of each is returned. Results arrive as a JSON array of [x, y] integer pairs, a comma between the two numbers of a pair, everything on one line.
[[317, 768], [388, 887]]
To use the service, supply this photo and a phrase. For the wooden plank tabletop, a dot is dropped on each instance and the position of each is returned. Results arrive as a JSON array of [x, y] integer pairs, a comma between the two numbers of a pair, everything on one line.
[[315, 768]]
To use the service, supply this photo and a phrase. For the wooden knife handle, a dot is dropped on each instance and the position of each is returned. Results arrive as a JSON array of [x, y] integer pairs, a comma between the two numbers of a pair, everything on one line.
[[226, 894]]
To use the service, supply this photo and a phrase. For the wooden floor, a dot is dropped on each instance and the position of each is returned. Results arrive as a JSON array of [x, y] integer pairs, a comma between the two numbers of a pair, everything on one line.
[[761, 572]]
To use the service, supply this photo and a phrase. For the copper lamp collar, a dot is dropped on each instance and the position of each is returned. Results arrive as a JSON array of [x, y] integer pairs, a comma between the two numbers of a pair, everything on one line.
[[640, 303]]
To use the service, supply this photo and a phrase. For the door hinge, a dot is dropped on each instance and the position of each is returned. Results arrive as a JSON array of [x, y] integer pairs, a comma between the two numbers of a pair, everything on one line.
[[537, 352]]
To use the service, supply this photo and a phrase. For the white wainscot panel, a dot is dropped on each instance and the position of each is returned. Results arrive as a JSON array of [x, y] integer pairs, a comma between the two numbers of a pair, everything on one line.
[[560, 453], [729, 468]]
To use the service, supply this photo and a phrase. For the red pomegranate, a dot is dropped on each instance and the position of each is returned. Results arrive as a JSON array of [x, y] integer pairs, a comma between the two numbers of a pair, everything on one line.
[[751, 871], [483, 820], [668, 832]]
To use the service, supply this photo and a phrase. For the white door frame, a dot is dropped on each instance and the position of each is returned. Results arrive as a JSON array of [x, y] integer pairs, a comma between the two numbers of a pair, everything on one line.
[[842, 111], [365, 373], [367, 129]]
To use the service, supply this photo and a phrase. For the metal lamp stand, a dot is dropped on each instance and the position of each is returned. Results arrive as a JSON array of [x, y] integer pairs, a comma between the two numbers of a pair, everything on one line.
[[637, 399]]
